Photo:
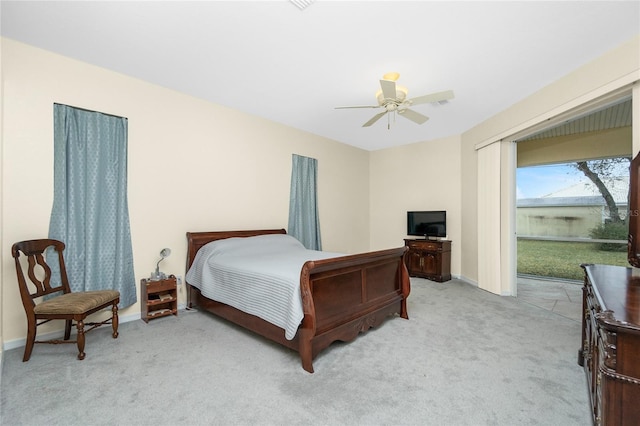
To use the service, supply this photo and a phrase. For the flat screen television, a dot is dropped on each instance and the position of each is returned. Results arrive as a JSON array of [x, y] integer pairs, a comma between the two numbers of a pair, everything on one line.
[[428, 224]]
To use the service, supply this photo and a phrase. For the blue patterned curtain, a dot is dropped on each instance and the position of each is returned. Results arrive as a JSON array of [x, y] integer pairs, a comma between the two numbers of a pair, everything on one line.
[[90, 212], [304, 223]]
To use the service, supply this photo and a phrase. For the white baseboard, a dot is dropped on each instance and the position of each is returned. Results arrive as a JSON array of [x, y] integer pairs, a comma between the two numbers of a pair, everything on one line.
[[58, 334], [467, 280]]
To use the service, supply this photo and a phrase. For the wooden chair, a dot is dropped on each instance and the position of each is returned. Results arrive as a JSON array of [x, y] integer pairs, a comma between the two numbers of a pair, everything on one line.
[[67, 306]]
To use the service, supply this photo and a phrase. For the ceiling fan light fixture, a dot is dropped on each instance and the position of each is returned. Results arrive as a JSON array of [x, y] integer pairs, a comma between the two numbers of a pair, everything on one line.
[[392, 76], [392, 98], [401, 95]]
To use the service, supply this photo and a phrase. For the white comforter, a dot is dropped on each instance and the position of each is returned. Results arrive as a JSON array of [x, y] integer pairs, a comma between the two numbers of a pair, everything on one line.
[[257, 275]]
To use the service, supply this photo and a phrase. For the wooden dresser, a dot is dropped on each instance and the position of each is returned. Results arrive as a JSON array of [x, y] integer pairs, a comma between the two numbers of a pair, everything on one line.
[[430, 259], [610, 351]]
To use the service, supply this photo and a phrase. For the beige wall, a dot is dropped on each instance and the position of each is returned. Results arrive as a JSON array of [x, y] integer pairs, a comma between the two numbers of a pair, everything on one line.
[[616, 69], [421, 176], [1, 202], [192, 166]]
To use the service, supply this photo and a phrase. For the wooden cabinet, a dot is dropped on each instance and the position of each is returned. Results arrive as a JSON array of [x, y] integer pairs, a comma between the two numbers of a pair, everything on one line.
[[610, 349], [429, 259], [158, 298]]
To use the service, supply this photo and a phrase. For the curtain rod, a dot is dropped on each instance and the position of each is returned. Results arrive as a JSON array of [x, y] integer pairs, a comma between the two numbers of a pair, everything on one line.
[[90, 110]]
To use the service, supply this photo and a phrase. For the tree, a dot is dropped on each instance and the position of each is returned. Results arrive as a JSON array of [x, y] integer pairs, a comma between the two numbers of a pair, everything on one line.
[[600, 171]]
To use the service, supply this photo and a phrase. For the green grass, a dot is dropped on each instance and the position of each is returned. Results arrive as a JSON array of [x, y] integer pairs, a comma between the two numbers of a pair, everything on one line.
[[562, 259]]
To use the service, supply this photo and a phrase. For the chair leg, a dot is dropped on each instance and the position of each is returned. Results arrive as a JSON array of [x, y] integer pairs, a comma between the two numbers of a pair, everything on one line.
[[80, 327], [67, 329], [114, 320], [31, 339]]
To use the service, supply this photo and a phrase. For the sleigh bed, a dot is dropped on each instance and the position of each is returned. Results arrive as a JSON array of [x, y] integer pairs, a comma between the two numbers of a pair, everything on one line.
[[341, 296]]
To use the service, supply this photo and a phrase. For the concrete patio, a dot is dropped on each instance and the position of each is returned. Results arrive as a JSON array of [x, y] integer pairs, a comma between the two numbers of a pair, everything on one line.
[[561, 297]]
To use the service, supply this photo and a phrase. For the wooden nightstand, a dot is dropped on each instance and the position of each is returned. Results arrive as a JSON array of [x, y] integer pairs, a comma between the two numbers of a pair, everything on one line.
[[158, 298]]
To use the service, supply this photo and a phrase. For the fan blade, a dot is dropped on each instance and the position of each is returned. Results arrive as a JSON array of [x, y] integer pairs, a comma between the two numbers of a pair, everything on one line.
[[374, 119], [416, 117], [388, 89], [433, 97], [363, 106]]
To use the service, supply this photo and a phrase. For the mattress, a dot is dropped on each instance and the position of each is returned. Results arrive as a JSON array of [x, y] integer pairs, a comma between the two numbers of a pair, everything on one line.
[[258, 275]]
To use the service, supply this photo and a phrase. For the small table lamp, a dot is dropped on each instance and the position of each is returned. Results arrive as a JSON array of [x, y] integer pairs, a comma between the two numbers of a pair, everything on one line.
[[157, 275]]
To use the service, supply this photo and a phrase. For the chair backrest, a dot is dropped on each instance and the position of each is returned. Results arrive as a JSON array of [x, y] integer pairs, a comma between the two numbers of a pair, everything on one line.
[[39, 272]]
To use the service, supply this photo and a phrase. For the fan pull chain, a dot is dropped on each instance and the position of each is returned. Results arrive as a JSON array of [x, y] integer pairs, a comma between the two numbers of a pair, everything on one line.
[[389, 119]]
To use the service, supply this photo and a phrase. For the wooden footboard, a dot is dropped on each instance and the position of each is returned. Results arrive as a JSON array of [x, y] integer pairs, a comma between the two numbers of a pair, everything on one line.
[[344, 296], [341, 297]]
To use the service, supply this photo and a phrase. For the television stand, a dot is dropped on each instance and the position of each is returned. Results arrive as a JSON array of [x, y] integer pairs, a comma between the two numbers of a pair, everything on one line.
[[430, 259]]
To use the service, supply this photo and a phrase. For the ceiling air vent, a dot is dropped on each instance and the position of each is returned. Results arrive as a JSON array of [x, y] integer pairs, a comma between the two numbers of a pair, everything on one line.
[[302, 4]]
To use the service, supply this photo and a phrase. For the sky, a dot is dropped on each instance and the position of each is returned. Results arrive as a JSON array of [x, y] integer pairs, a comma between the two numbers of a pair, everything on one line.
[[537, 181]]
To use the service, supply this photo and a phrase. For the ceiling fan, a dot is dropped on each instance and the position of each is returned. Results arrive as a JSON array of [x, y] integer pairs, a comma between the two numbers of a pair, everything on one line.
[[393, 98]]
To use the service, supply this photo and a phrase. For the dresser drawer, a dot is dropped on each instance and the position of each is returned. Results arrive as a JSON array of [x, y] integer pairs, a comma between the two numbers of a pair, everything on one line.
[[157, 286], [424, 246], [592, 302]]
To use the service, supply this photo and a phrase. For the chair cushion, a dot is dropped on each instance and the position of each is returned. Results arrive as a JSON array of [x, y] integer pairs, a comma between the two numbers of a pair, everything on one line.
[[76, 303]]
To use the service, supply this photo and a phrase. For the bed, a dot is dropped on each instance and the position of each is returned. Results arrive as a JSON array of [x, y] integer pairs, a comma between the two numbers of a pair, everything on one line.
[[340, 297]]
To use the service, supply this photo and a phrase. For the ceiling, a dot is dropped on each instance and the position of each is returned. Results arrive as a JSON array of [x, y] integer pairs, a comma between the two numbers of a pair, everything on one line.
[[294, 65], [612, 116]]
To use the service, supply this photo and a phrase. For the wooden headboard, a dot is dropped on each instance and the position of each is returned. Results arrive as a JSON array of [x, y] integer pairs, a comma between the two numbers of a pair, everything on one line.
[[195, 240]]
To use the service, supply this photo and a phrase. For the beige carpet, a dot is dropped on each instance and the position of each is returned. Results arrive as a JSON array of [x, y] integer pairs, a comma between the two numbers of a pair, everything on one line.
[[465, 357]]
